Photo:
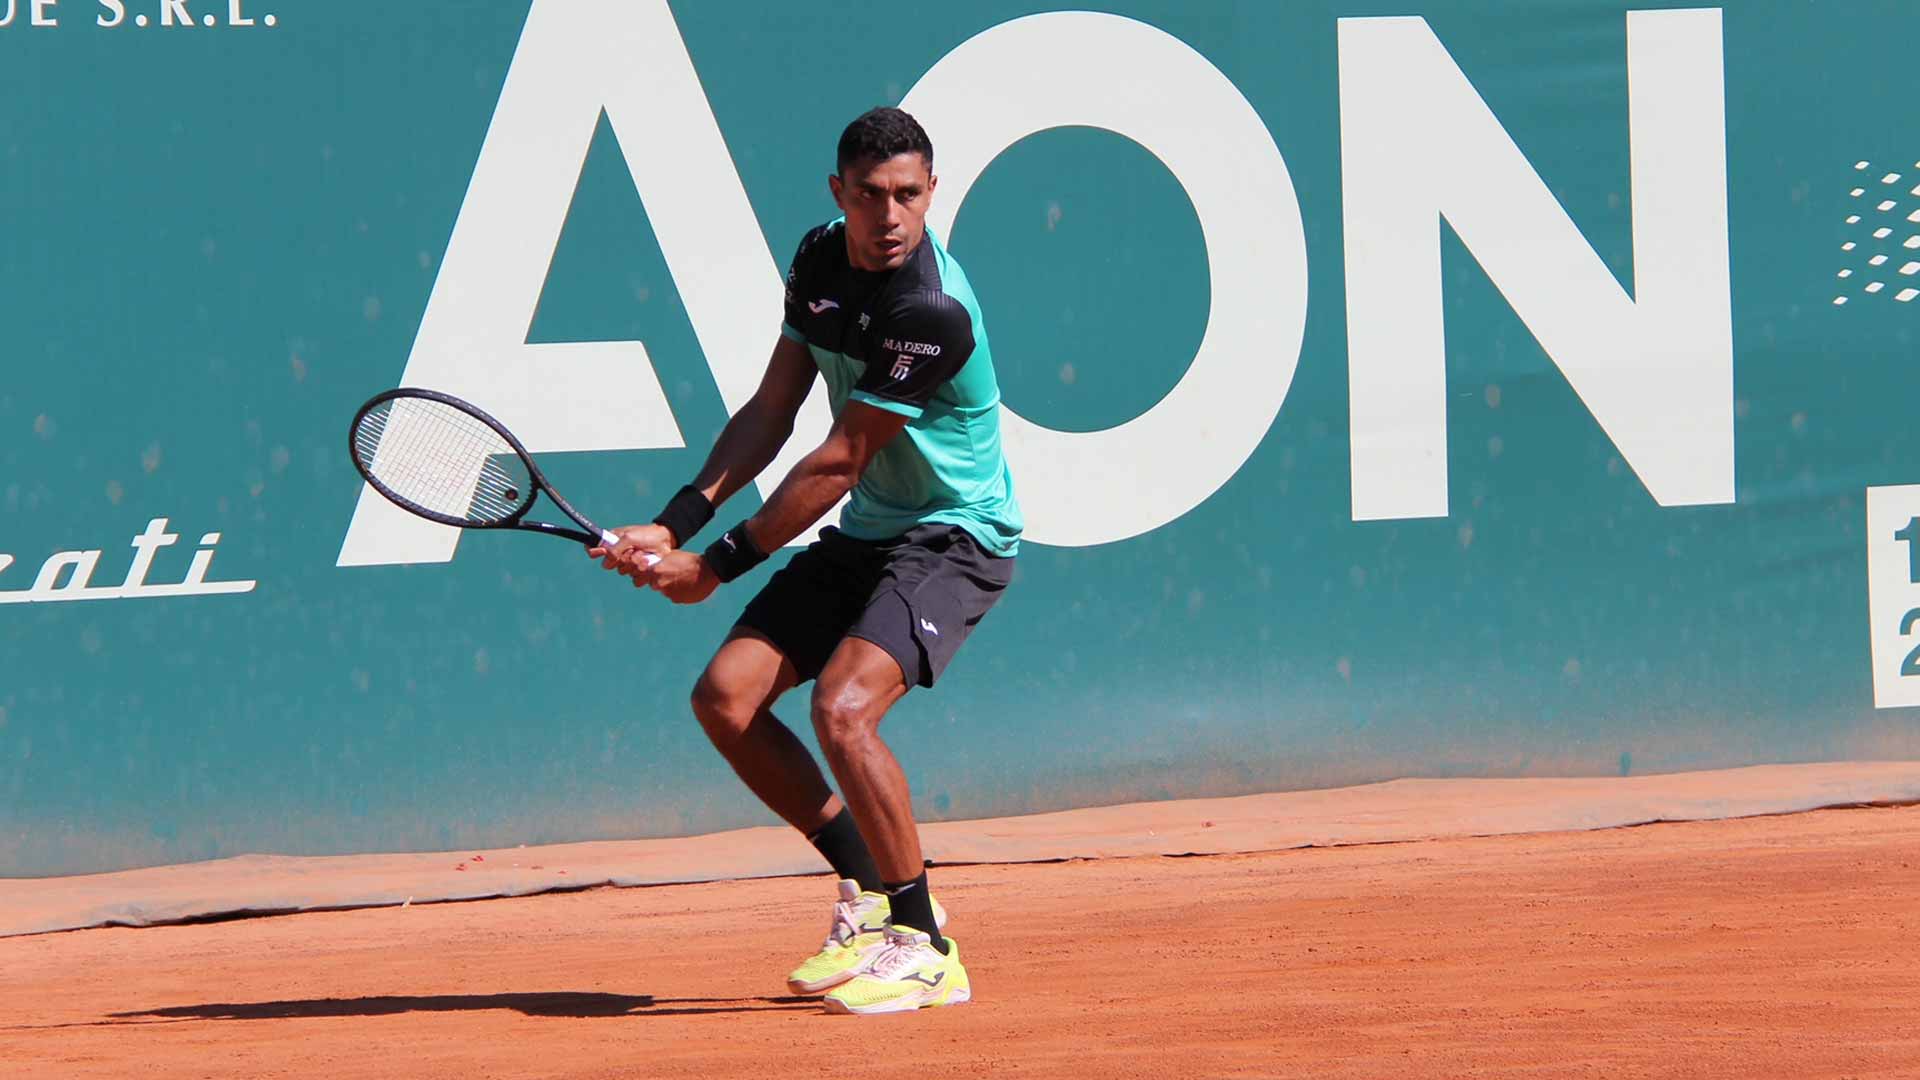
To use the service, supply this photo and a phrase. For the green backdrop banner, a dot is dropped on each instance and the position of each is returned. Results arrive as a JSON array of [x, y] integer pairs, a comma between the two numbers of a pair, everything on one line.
[[1516, 389]]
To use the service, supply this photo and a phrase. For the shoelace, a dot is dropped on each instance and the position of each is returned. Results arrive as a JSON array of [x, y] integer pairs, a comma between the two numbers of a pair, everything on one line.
[[841, 929], [894, 957]]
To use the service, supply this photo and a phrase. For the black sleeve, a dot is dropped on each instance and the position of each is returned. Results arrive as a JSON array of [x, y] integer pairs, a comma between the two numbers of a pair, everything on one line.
[[796, 309], [926, 340]]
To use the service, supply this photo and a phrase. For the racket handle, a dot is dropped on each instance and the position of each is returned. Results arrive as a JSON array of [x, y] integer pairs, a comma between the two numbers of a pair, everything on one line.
[[609, 539]]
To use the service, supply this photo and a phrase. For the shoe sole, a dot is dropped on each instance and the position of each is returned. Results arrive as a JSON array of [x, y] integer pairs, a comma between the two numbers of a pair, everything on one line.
[[958, 996]]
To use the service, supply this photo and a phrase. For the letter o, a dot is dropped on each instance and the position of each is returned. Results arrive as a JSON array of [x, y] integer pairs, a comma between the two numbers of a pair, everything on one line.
[[1087, 69]]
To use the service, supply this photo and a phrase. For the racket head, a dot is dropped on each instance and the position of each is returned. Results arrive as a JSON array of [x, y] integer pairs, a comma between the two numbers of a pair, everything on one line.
[[443, 459]]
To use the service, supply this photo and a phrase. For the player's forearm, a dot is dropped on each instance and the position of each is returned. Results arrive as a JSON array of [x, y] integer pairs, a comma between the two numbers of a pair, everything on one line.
[[817, 482], [745, 447]]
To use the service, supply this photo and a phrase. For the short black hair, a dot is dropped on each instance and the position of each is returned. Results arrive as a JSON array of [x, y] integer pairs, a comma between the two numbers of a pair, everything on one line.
[[881, 133]]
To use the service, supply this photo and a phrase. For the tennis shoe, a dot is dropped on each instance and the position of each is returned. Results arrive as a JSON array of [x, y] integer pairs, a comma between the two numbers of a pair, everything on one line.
[[856, 931], [905, 974]]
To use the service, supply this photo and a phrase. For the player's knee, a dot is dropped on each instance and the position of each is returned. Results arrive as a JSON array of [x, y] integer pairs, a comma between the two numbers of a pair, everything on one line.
[[843, 715], [724, 713]]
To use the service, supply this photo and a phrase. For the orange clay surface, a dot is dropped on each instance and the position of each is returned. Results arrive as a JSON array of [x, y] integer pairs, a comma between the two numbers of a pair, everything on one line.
[[1765, 947]]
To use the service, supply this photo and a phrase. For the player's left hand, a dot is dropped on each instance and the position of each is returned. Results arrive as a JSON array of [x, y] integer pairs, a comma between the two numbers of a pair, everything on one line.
[[681, 576]]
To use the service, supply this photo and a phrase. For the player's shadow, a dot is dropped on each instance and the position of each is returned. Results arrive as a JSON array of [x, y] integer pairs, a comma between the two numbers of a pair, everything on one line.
[[558, 1003]]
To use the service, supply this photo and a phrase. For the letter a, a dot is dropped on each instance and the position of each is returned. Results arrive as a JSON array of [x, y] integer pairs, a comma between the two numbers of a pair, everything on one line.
[[575, 59]]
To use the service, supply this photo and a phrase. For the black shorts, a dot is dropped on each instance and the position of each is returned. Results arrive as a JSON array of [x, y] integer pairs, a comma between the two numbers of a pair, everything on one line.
[[917, 596]]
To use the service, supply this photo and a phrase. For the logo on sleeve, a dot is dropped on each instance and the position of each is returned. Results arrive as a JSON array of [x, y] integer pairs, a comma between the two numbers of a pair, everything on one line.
[[818, 306], [901, 367]]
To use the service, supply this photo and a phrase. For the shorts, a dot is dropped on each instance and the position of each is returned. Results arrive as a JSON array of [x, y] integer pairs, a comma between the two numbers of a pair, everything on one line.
[[917, 596]]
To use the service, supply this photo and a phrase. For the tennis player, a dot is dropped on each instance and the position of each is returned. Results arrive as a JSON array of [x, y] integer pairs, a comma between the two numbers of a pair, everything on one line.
[[879, 604]]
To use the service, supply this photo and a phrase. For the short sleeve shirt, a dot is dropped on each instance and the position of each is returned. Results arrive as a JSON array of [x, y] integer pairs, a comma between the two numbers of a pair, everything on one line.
[[910, 341]]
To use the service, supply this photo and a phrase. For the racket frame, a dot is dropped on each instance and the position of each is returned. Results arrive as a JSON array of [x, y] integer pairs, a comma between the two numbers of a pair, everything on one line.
[[593, 536]]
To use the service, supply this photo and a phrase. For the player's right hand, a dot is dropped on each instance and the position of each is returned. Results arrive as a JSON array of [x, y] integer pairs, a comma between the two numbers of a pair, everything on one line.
[[629, 556]]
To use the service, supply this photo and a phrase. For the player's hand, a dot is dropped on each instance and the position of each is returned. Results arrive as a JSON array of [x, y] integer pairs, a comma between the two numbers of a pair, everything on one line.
[[681, 576], [629, 556]]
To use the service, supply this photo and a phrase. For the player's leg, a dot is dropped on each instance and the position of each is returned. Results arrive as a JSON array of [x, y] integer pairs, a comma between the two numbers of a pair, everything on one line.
[[784, 637], [937, 587], [916, 966], [860, 683], [734, 703]]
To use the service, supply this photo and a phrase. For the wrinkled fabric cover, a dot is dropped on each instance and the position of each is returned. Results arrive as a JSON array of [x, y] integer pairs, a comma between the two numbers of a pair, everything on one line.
[[1399, 810]]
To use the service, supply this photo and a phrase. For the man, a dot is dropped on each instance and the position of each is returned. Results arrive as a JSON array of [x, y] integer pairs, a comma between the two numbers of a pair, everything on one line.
[[880, 604]]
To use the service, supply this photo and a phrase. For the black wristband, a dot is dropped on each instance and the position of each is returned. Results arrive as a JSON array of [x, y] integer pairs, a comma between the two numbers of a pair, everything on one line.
[[733, 554], [686, 513]]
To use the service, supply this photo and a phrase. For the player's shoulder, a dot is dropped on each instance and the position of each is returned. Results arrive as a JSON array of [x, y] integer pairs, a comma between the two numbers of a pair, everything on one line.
[[928, 304], [938, 271], [811, 259], [923, 286], [928, 321], [819, 242]]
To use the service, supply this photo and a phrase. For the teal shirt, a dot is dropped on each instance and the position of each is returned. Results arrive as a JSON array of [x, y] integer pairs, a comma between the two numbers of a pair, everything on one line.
[[910, 341]]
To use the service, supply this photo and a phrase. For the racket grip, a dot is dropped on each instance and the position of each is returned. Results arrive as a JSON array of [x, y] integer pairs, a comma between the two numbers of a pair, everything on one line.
[[609, 539]]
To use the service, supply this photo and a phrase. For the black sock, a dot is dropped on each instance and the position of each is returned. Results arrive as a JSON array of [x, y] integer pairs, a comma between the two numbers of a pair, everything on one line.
[[840, 843], [913, 907]]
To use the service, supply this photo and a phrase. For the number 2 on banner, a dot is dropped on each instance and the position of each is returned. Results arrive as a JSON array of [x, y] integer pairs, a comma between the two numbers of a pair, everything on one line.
[[1893, 594]]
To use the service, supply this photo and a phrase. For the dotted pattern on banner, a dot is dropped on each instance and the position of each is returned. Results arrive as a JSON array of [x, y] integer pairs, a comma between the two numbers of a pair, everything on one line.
[[1869, 273]]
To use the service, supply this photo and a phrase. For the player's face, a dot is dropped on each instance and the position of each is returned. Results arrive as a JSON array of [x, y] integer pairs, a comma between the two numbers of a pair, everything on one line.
[[886, 206]]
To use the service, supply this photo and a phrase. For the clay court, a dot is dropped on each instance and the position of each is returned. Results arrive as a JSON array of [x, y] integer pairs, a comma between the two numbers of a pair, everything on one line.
[[1778, 946]]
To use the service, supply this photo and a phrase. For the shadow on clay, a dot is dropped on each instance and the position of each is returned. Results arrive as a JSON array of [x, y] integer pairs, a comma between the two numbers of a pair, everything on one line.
[[557, 1003]]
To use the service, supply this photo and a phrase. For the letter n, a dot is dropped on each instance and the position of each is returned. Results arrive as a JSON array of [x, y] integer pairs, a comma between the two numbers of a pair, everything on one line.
[[1417, 144]]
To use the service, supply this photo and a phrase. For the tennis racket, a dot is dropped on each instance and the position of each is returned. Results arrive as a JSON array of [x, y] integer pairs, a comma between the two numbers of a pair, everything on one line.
[[437, 456]]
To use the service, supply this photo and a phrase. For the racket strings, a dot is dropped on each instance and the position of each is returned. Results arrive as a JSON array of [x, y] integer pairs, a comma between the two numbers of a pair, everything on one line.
[[443, 460]]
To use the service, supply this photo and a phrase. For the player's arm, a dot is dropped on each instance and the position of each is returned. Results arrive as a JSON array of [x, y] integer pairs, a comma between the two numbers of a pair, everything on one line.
[[925, 340], [934, 337], [811, 488], [762, 426], [745, 447], [824, 476]]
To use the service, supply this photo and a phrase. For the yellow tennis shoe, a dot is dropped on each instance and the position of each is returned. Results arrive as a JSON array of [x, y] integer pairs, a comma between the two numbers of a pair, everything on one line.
[[907, 973], [855, 933]]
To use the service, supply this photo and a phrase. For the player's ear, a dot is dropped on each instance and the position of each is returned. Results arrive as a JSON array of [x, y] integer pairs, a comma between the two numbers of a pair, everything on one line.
[[834, 187], [933, 181]]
